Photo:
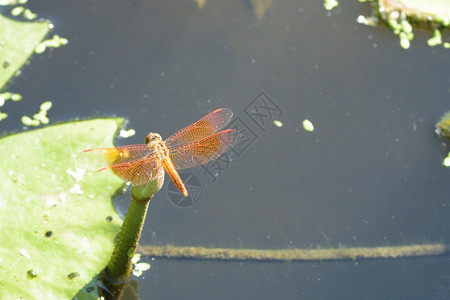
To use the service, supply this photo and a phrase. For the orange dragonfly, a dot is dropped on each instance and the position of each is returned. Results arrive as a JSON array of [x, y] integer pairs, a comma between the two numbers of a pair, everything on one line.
[[194, 145]]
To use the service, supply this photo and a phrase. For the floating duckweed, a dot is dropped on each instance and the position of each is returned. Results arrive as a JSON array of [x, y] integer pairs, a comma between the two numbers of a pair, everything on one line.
[[403, 29], [404, 41], [436, 39], [3, 97], [32, 273], [406, 27], [278, 123], [55, 42], [443, 126], [22, 1], [63, 41], [45, 106], [136, 258], [29, 15], [17, 11], [366, 21], [330, 4], [445, 21], [446, 45], [139, 268], [399, 15], [40, 48], [7, 96], [395, 26], [40, 117], [16, 97], [127, 133], [3, 115], [27, 121], [308, 125], [446, 161], [52, 43]]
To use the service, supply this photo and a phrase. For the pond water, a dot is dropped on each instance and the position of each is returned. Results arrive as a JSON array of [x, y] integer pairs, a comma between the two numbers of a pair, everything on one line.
[[370, 174]]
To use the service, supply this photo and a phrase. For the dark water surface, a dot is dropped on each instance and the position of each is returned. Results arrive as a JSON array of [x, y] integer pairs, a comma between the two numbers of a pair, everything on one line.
[[369, 175]]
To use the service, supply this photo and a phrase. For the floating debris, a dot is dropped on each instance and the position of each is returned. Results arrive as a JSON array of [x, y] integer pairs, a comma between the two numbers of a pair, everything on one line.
[[443, 126], [200, 3], [24, 253], [278, 123], [308, 125], [446, 161], [330, 4]]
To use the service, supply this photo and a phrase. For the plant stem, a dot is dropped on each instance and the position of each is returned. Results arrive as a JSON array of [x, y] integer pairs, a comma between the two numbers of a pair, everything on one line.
[[119, 268]]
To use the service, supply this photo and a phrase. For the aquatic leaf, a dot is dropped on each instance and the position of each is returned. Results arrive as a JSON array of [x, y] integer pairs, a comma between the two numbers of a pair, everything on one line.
[[17, 43], [57, 221]]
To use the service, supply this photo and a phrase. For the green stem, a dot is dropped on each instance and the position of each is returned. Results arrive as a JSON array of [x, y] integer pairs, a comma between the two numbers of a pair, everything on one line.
[[119, 268]]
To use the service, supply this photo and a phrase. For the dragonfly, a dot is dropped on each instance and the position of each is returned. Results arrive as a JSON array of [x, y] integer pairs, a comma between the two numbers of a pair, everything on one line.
[[194, 145]]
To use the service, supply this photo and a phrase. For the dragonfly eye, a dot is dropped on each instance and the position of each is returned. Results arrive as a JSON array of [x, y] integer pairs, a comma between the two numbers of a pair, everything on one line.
[[151, 137]]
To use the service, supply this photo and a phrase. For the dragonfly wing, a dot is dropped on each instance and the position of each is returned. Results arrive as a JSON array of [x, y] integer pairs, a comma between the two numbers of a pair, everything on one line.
[[209, 124], [139, 171], [204, 150], [135, 163], [123, 154]]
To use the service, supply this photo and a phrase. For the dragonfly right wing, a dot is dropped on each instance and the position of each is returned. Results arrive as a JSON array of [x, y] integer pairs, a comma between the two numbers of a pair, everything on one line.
[[209, 124], [203, 151]]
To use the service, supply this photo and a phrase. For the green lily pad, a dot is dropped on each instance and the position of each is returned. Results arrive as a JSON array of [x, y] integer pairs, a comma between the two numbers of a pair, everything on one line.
[[57, 222], [17, 43]]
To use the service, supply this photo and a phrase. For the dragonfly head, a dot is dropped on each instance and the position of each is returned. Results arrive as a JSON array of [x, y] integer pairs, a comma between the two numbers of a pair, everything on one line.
[[152, 137]]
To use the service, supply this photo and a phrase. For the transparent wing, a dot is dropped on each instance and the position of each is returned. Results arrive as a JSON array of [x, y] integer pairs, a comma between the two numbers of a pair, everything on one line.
[[139, 171], [209, 124], [204, 150], [122, 154], [134, 163]]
